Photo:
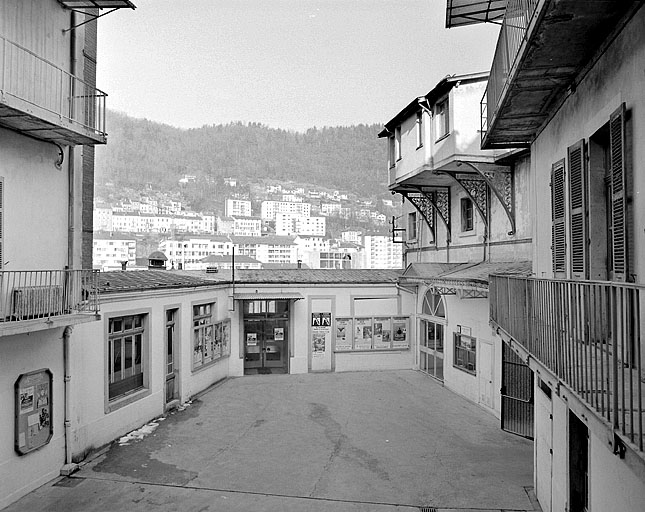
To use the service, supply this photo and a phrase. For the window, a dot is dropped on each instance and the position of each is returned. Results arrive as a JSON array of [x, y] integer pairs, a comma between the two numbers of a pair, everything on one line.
[[397, 143], [467, 223], [392, 148], [441, 125], [203, 339], [419, 130], [125, 354], [412, 226], [465, 356]]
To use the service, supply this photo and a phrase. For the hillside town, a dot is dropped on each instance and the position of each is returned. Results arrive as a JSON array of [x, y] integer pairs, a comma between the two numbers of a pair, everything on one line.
[[262, 226]]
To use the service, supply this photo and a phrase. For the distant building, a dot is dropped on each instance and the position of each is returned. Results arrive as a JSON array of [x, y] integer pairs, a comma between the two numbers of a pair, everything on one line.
[[269, 209], [267, 249], [111, 251], [287, 224], [237, 207], [217, 262], [353, 236], [189, 252], [381, 252]]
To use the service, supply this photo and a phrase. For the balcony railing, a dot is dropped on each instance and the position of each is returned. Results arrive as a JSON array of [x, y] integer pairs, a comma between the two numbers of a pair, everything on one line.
[[588, 334], [44, 294], [36, 87], [517, 18]]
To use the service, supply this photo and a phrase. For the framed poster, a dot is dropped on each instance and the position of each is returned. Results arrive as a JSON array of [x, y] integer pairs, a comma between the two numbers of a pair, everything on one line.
[[343, 334], [400, 332], [382, 332], [33, 424], [363, 334]]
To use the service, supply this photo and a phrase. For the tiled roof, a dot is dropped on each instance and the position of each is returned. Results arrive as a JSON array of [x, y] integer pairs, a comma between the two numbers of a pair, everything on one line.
[[218, 258], [317, 276], [152, 280]]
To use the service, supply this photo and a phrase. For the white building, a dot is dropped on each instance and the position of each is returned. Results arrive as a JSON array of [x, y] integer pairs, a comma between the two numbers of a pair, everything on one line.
[[110, 251], [328, 209], [237, 207], [188, 253], [267, 249], [269, 209], [353, 236], [380, 252], [287, 224]]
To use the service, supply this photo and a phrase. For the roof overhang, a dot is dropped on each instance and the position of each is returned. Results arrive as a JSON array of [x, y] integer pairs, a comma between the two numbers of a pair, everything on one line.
[[269, 296], [97, 4], [469, 12]]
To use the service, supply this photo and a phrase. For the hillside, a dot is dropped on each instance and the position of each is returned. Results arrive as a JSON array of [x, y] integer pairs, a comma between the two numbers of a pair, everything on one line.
[[144, 153]]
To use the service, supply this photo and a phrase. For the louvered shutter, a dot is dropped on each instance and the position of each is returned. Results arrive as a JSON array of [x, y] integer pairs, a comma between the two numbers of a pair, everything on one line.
[[1, 221], [578, 210], [618, 194], [558, 227]]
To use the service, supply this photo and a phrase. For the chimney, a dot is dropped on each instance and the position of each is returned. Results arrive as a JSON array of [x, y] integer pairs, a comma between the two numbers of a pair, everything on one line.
[[124, 264], [299, 263]]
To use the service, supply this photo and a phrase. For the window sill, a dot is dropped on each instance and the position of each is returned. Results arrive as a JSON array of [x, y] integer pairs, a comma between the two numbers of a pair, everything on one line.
[[465, 370], [442, 137], [118, 402], [469, 233], [420, 147]]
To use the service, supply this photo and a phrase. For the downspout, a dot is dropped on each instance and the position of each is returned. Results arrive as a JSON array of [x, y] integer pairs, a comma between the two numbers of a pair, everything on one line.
[[69, 468], [67, 333]]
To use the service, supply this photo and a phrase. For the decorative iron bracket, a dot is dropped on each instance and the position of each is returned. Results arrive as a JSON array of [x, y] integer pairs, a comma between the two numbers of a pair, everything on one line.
[[500, 181], [476, 189], [423, 206], [440, 200]]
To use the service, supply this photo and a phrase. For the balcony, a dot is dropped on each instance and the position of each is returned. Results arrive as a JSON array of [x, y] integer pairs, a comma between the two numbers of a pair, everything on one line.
[[543, 47], [588, 335], [44, 101], [33, 300]]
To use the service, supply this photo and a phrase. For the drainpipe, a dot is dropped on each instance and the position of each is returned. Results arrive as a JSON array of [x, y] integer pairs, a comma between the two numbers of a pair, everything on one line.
[[70, 160], [69, 466]]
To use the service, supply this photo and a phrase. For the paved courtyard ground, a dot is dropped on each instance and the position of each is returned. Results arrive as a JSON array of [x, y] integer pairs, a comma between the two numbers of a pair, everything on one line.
[[367, 441]]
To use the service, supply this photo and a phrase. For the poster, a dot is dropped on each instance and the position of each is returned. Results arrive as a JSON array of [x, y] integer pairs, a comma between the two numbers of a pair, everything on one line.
[[343, 334], [278, 333], [33, 428], [251, 339], [226, 337], [363, 334], [320, 337], [321, 319], [382, 332], [400, 332]]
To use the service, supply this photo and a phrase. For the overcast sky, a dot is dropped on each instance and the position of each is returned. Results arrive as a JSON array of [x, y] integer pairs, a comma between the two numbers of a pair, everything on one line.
[[289, 64]]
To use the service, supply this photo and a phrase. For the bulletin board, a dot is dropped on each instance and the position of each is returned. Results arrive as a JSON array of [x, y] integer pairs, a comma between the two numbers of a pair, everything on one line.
[[34, 425]]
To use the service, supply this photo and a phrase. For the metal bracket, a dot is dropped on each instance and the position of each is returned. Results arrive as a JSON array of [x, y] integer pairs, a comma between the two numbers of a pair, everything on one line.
[[500, 181], [440, 201], [476, 189], [423, 206]]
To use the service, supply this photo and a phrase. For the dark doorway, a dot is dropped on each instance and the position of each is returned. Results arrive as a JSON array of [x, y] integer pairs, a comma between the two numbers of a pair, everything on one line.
[[578, 464], [517, 394]]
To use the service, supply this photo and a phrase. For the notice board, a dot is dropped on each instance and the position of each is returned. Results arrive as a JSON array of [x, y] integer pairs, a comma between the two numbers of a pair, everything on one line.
[[34, 426]]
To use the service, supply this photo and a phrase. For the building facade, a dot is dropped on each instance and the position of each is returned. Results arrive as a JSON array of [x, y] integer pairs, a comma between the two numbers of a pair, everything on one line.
[[113, 252], [576, 102]]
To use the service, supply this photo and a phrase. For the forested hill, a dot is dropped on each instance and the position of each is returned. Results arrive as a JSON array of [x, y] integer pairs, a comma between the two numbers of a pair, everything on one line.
[[143, 152]]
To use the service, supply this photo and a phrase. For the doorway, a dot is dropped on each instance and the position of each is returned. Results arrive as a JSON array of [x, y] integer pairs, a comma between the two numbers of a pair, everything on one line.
[[266, 337], [171, 351], [578, 464]]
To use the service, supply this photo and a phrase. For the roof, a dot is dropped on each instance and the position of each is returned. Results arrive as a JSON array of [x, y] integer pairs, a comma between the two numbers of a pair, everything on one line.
[[227, 258], [268, 296], [119, 281], [158, 255], [276, 266], [431, 97], [318, 276], [467, 12], [465, 275]]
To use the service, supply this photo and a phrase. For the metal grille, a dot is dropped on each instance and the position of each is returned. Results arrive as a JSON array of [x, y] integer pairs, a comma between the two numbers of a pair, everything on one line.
[[517, 395]]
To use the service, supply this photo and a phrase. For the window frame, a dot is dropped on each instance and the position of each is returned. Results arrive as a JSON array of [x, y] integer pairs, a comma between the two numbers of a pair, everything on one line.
[[119, 400], [467, 223], [412, 229], [398, 154], [469, 351], [419, 129], [442, 119]]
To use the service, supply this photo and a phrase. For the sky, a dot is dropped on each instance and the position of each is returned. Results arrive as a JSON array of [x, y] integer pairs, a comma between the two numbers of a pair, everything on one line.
[[290, 64]]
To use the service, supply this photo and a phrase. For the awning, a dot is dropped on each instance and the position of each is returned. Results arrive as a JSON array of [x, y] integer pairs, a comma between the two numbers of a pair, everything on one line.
[[468, 12], [97, 4], [268, 296]]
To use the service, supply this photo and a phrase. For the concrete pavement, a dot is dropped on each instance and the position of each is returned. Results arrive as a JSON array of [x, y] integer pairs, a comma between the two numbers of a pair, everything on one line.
[[368, 441]]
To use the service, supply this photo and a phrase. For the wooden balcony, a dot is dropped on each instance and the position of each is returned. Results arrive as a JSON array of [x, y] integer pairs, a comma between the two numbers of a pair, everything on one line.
[[32, 300], [587, 334], [44, 101], [542, 48]]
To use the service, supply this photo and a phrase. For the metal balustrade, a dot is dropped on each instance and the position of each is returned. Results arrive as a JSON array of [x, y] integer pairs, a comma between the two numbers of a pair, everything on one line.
[[588, 334], [42, 294], [517, 19], [41, 89]]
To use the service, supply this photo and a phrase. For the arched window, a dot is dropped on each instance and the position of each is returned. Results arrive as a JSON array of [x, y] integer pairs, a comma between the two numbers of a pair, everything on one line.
[[433, 305]]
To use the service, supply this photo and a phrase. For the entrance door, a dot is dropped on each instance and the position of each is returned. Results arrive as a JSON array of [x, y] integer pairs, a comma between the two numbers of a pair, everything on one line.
[[171, 382], [578, 464], [517, 394], [265, 345]]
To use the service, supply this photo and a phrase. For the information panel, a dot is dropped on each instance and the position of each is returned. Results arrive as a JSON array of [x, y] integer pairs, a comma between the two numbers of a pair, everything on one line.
[[34, 426]]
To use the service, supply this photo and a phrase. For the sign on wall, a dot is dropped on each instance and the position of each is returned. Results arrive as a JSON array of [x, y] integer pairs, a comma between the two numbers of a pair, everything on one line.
[[320, 333], [343, 334], [33, 423]]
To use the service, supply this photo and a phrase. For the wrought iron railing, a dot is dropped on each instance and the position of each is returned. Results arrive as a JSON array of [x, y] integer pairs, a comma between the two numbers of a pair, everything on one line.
[[42, 294], [47, 88], [588, 334], [517, 19]]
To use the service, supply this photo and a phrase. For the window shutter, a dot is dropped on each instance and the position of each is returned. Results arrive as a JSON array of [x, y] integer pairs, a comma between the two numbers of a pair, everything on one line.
[[1, 221], [618, 194], [578, 210], [558, 228]]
